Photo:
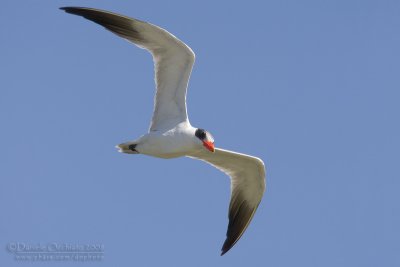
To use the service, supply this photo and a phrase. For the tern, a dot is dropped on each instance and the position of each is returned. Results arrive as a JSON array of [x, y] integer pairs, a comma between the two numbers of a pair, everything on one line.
[[171, 135]]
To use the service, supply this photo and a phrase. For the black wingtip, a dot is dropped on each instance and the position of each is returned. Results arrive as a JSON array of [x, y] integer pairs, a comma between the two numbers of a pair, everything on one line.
[[73, 9], [240, 215], [228, 244], [65, 8]]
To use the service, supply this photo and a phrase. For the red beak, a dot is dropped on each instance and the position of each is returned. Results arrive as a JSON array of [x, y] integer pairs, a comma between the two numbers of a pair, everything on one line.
[[209, 145]]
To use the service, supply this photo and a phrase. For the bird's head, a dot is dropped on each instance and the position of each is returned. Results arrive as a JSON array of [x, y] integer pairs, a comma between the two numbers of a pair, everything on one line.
[[206, 138]]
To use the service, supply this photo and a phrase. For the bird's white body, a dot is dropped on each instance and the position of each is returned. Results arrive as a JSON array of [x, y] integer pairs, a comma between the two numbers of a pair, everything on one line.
[[170, 134], [176, 142]]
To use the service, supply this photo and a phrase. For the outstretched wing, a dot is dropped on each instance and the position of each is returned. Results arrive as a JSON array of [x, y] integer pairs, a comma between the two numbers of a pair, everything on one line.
[[173, 62], [247, 188]]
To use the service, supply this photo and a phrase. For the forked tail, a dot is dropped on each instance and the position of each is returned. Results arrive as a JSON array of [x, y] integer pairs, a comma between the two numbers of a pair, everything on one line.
[[128, 147]]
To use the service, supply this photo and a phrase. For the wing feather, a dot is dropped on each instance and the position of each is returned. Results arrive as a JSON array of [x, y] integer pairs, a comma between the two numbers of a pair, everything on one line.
[[247, 175], [173, 62]]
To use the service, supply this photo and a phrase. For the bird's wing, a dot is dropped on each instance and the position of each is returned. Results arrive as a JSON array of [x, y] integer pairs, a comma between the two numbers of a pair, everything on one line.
[[173, 61], [247, 188]]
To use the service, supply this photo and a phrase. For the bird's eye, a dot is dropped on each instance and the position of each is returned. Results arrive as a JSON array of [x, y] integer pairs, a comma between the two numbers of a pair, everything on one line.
[[201, 134]]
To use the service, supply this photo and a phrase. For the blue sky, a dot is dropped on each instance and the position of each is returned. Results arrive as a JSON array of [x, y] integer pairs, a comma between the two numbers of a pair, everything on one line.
[[311, 87]]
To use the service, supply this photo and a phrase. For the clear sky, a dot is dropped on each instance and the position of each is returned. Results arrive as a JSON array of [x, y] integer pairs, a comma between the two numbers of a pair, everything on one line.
[[311, 87]]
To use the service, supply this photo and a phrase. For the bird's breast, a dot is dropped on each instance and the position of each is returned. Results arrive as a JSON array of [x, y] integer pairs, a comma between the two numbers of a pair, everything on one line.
[[167, 145]]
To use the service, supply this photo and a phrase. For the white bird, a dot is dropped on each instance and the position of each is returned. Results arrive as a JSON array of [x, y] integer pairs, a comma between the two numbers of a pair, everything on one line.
[[171, 134]]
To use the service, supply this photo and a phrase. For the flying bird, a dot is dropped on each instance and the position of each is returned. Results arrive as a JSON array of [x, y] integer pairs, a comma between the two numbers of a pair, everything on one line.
[[171, 135]]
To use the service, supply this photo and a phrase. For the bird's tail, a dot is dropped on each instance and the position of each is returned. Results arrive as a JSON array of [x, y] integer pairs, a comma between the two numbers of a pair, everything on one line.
[[128, 147]]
